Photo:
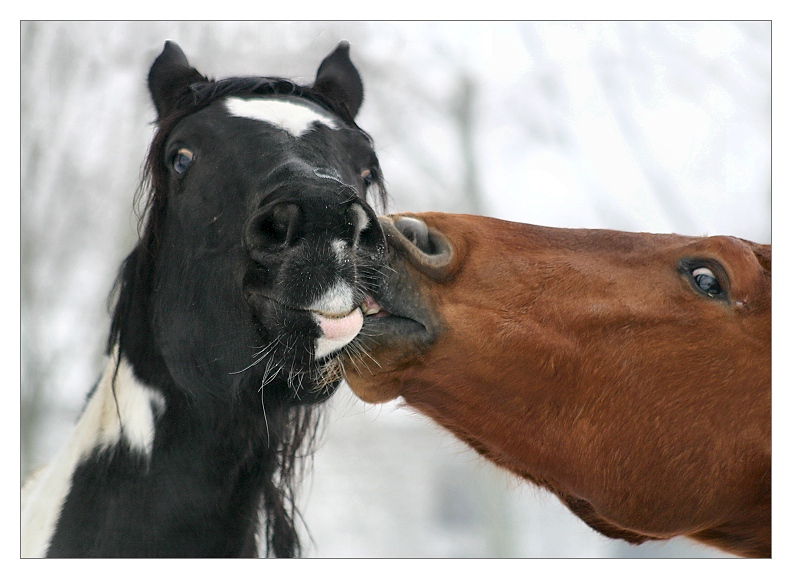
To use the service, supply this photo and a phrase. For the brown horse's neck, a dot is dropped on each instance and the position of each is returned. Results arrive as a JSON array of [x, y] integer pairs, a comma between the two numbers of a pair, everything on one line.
[[628, 483]]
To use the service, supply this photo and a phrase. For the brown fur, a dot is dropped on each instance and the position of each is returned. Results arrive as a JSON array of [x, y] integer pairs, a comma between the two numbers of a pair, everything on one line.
[[584, 361]]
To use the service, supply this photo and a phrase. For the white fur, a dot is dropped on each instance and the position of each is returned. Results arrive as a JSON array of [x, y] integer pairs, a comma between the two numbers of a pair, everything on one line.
[[339, 300], [98, 427], [292, 116]]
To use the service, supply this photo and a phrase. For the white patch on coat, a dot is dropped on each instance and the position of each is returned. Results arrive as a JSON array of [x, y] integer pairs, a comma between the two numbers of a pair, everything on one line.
[[101, 425], [295, 117]]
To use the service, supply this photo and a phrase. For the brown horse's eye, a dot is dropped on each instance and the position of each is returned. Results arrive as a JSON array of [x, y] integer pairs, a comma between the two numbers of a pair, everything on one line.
[[368, 177], [706, 281], [706, 276], [181, 160]]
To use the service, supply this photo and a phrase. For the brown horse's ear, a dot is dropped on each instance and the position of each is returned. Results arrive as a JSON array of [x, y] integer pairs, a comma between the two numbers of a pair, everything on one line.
[[338, 78], [170, 78]]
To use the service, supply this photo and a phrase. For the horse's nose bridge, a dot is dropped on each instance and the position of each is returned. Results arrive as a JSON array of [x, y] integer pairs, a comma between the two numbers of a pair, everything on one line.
[[345, 221]]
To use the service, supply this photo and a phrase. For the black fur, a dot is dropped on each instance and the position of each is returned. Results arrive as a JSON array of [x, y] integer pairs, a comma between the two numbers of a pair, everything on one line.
[[231, 250]]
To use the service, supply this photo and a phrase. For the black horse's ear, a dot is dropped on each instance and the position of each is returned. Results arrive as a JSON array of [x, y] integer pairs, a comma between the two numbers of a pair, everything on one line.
[[338, 78], [170, 77]]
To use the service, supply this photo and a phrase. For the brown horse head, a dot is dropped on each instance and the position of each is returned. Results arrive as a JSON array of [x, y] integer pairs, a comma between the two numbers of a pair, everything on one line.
[[629, 373]]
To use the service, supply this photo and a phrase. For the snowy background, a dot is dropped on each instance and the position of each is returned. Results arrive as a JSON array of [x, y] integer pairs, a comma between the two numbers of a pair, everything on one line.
[[660, 127]]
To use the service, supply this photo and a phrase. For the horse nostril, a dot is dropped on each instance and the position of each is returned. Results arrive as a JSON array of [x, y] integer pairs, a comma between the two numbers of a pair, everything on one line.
[[416, 231], [277, 225]]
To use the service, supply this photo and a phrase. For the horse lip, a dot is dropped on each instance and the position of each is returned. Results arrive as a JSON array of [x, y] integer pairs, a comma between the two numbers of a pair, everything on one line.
[[329, 315], [369, 307], [382, 311], [254, 297], [335, 316]]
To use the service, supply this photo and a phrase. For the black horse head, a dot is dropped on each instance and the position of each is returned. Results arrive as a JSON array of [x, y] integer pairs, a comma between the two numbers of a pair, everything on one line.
[[259, 245], [258, 248]]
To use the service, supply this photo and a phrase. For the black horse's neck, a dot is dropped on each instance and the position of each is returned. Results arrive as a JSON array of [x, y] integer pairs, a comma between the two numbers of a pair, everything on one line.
[[198, 491], [198, 483], [180, 501]]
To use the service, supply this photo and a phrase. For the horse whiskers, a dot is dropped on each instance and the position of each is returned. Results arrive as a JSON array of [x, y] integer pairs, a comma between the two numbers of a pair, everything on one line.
[[322, 377], [269, 375], [300, 376], [362, 350], [370, 271], [264, 411], [357, 351], [261, 355], [328, 375], [292, 372], [268, 348], [377, 269], [366, 332], [351, 358], [368, 276]]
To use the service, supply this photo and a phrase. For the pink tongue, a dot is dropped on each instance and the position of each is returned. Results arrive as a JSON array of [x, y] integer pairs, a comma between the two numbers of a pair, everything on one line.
[[340, 328]]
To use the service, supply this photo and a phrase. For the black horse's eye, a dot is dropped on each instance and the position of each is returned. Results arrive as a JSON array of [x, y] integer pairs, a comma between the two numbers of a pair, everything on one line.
[[181, 160], [368, 177], [706, 281]]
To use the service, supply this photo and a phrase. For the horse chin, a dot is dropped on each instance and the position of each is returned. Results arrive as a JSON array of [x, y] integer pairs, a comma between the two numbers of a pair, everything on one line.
[[387, 342], [370, 386], [308, 378]]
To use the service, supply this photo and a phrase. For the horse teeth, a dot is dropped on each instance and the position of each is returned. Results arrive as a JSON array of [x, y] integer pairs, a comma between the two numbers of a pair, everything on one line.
[[370, 307]]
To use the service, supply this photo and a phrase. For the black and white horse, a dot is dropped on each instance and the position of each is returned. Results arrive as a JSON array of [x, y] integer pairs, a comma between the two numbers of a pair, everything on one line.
[[258, 250]]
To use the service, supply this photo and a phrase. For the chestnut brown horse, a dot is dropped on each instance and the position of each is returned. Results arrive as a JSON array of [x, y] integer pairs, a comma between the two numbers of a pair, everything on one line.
[[628, 373]]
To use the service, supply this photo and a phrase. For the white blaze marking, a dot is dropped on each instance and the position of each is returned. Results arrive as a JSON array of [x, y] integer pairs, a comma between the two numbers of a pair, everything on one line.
[[98, 427], [295, 117]]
